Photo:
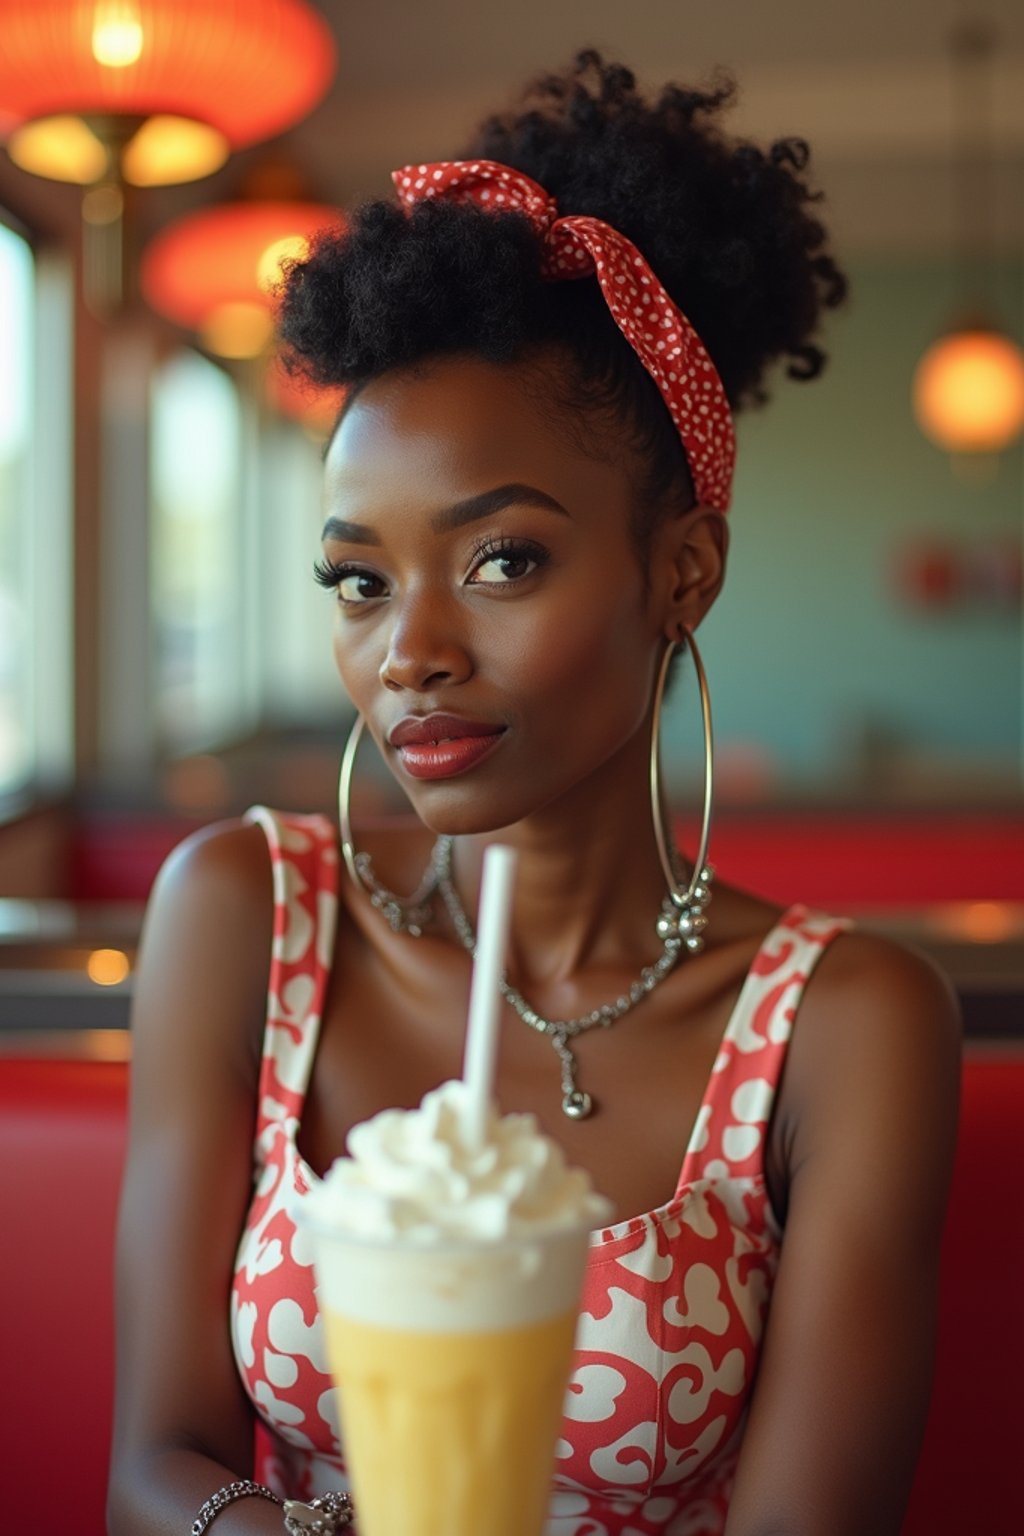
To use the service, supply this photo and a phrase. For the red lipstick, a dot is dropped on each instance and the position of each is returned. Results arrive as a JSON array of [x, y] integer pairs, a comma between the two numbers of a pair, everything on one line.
[[440, 746]]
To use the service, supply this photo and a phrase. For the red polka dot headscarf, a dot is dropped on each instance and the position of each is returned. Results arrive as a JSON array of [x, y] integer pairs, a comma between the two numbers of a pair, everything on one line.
[[660, 335]]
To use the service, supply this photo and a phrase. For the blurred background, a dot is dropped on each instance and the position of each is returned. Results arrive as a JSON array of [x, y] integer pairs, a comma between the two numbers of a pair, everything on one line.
[[164, 652]]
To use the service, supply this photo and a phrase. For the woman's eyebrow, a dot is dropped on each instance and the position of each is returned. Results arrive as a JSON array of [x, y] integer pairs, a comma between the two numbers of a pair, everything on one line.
[[348, 533], [489, 502], [469, 510]]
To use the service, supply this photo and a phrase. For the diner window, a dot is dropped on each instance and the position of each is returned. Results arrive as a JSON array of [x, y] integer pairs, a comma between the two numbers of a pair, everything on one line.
[[17, 308], [35, 543], [198, 552], [299, 681]]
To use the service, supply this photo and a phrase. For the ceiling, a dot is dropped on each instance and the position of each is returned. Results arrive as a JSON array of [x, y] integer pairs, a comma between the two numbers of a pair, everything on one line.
[[402, 43], [868, 84]]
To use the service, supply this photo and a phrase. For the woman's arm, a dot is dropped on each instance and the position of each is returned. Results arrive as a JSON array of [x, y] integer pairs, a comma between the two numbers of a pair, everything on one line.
[[840, 1402], [183, 1426]]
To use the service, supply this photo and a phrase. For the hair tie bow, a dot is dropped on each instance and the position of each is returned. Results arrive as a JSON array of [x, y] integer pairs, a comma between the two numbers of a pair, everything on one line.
[[659, 333]]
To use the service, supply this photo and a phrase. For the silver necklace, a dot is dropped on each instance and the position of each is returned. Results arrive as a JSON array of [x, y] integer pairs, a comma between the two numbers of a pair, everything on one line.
[[680, 926], [403, 914]]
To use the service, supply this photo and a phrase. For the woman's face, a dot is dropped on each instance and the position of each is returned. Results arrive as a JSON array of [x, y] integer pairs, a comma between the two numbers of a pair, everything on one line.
[[485, 573]]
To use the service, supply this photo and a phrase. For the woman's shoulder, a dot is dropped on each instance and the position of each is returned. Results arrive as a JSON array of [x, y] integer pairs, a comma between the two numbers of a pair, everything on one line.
[[224, 866], [233, 849], [208, 930], [870, 984], [233, 856], [877, 1021], [879, 1042], [857, 970]]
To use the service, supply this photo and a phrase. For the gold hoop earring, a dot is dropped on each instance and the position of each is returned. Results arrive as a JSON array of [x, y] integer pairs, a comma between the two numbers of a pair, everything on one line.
[[404, 914], [688, 901]]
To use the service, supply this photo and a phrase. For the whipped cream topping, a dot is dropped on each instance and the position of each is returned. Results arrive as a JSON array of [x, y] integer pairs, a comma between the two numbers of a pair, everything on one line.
[[412, 1176]]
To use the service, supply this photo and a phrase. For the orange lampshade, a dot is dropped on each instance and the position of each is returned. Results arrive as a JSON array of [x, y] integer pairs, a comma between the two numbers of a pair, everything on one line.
[[968, 392], [214, 271], [317, 408], [167, 87]]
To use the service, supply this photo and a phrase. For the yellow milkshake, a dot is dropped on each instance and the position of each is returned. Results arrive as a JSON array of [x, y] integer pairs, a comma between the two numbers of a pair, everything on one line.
[[476, 1413], [448, 1278]]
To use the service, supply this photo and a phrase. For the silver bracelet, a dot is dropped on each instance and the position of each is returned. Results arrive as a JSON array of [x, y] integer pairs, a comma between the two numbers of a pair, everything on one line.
[[243, 1489], [320, 1517]]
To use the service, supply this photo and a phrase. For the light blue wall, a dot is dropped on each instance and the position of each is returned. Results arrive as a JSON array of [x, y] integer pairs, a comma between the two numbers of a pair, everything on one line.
[[809, 644]]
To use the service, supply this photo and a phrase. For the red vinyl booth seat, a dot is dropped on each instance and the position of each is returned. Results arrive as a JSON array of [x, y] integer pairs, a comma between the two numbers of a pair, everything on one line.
[[62, 1140], [62, 1127]]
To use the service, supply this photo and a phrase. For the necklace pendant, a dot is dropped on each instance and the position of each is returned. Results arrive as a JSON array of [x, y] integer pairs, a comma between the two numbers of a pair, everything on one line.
[[680, 925], [577, 1105]]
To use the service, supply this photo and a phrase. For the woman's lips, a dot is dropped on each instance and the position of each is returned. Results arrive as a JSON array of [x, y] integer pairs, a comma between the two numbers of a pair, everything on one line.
[[444, 759], [438, 746]]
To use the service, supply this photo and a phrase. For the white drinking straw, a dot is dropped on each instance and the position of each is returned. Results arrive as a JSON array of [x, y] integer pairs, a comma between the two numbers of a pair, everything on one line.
[[485, 996]]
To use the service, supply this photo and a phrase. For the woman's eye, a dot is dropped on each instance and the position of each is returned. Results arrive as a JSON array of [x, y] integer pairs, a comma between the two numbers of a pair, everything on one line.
[[351, 584], [360, 587], [505, 565]]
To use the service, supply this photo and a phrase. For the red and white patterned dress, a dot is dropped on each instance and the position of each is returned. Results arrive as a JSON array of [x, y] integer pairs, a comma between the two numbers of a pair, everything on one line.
[[674, 1301]]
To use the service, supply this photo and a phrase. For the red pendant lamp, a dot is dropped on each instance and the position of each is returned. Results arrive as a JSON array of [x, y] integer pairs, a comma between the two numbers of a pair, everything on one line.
[[153, 91], [317, 407], [213, 272]]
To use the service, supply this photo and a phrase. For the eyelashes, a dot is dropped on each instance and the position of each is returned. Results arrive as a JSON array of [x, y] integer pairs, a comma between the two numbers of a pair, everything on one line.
[[327, 574], [360, 582], [510, 553]]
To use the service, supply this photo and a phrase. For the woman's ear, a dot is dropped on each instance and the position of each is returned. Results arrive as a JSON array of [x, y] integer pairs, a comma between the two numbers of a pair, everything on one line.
[[691, 555]]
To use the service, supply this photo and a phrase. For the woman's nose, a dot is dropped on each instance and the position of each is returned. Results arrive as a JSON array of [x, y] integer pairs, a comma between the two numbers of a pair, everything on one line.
[[425, 647]]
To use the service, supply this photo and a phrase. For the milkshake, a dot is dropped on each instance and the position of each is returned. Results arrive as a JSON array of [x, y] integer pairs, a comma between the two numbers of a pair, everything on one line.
[[448, 1277]]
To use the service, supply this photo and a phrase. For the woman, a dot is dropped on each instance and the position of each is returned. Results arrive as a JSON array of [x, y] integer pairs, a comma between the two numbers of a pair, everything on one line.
[[525, 501]]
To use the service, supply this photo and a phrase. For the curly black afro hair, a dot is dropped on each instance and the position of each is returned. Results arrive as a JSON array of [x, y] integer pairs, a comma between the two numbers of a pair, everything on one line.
[[726, 226]]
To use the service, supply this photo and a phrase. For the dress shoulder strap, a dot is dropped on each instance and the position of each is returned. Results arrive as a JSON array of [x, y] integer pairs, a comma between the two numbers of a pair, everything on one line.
[[304, 861], [729, 1134]]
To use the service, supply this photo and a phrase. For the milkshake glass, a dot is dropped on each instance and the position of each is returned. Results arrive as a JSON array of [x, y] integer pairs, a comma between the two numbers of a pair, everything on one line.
[[448, 1280]]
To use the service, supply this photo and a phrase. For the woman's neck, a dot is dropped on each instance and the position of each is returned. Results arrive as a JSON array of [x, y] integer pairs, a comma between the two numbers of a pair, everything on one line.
[[588, 880]]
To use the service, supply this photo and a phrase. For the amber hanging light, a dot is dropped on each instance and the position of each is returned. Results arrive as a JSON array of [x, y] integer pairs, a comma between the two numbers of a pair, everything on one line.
[[153, 91], [968, 388], [213, 272], [969, 391]]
